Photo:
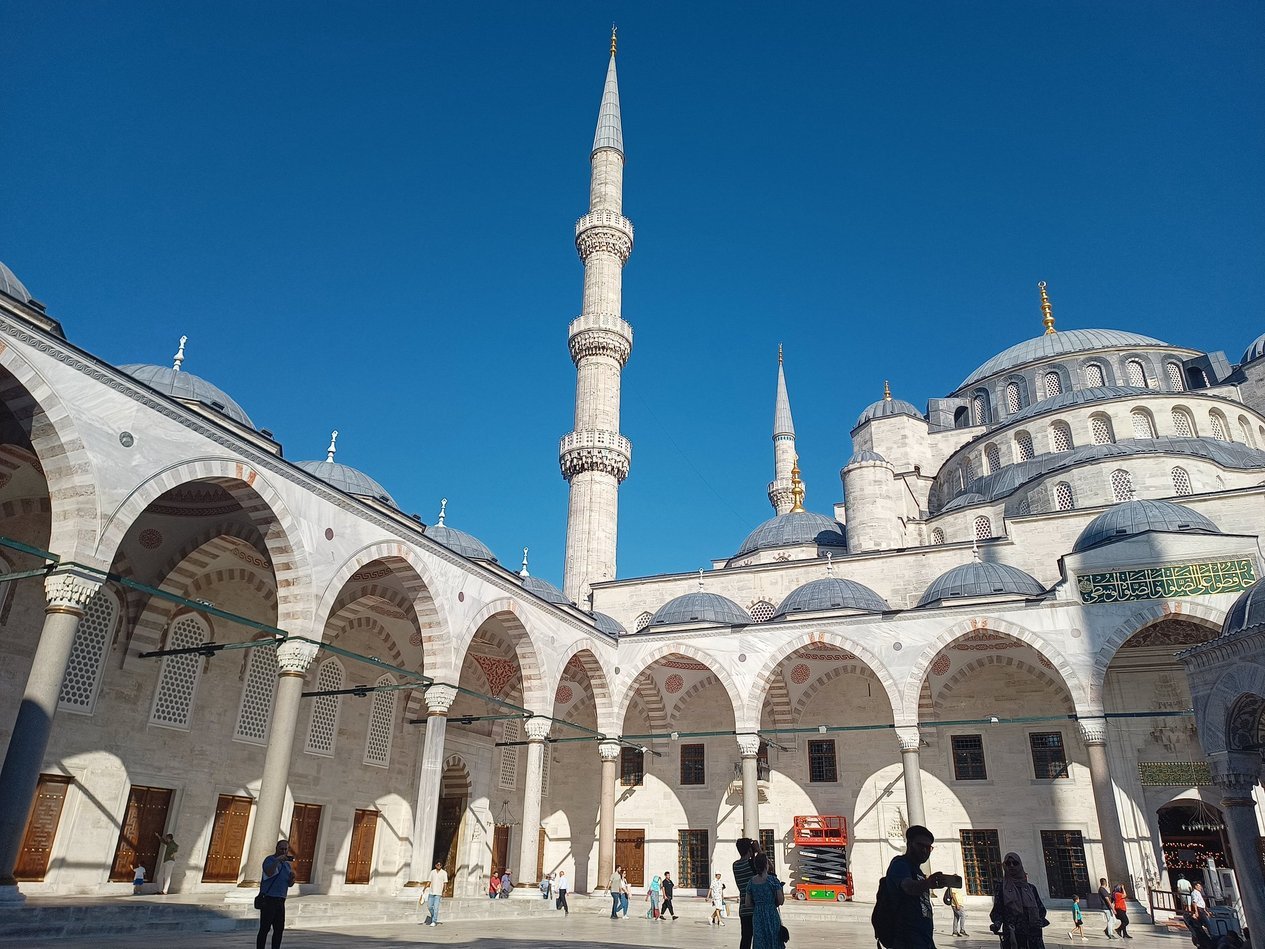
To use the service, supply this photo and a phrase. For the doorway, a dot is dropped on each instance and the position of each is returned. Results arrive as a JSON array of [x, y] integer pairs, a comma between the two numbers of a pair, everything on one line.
[[454, 794], [228, 839], [630, 853], [41, 828], [305, 825], [500, 848], [143, 823], [364, 830], [1190, 832]]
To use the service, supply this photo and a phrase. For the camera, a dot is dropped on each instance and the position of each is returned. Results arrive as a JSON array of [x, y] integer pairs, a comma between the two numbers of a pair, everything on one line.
[[953, 880]]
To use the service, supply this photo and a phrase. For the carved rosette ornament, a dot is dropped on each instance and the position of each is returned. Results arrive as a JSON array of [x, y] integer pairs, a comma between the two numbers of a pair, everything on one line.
[[537, 728], [909, 739], [748, 745], [69, 592], [609, 750], [294, 656], [439, 699], [594, 450], [604, 232], [1093, 730]]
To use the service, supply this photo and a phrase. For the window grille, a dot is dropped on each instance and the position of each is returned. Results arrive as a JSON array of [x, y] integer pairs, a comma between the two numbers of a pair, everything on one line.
[[1183, 424], [1100, 429], [693, 764], [323, 728], [1048, 758], [1094, 376], [968, 758], [1143, 427], [507, 777], [823, 767], [992, 458], [968, 473], [937, 536], [767, 842], [178, 679], [1219, 430], [632, 767], [1052, 384], [1121, 485], [1063, 496], [1023, 445], [1061, 436], [981, 861], [642, 622], [983, 528], [1175, 380], [1066, 872], [1137, 375], [1013, 403], [255, 713], [1181, 482], [694, 867], [762, 611], [87, 655], [381, 725], [1245, 432], [1025, 506], [979, 410]]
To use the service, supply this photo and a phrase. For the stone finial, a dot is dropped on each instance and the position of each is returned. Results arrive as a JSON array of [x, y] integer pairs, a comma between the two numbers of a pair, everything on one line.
[[830, 566], [537, 728], [1047, 310], [439, 699], [69, 592], [295, 655], [443, 507], [1093, 730], [175, 366], [609, 750], [614, 30], [523, 573], [748, 745], [700, 579], [333, 439]]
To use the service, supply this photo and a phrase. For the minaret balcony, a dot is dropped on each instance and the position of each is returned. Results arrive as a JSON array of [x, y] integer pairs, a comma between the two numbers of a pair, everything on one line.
[[604, 230], [595, 450], [600, 334]]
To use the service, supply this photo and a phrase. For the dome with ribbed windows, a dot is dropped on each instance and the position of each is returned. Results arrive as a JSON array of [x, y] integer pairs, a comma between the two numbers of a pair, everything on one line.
[[459, 542], [1255, 351], [830, 593], [980, 579], [1062, 343], [887, 408], [1140, 516], [346, 478], [700, 607]]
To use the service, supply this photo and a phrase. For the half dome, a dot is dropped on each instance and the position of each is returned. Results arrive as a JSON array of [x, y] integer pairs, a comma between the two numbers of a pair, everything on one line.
[[545, 590], [980, 579], [794, 529], [1061, 343], [700, 607], [190, 388], [831, 593], [459, 542], [10, 284], [1138, 517], [346, 478]]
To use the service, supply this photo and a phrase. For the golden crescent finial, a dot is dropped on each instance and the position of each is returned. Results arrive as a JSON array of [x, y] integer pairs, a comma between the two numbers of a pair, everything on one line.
[[614, 30], [1047, 309], [797, 489], [887, 391]]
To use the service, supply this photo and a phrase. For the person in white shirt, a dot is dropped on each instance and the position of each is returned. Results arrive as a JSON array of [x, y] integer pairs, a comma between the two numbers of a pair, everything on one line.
[[433, 890], [1183, 890], [560, 884]]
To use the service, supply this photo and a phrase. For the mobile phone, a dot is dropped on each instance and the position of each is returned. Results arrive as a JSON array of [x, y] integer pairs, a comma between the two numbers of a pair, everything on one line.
[[953, 880]]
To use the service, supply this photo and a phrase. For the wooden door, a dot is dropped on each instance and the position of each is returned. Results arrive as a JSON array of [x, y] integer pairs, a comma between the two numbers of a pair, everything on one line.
[[228, 839], [500, 849], [540, 855], [41, 828], [305, 824], [360, 857], [144, 820], [447, 834], [630, 853]]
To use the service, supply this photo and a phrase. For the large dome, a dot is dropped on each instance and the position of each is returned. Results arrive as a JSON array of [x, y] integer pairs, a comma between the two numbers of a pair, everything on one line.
[[1138, 517], [459, 542], [1061, 343], [187, 386], [1254, 352], [348, 479], [10, 284], [700, 607], [980, 579], [794, 529], [831, 593]]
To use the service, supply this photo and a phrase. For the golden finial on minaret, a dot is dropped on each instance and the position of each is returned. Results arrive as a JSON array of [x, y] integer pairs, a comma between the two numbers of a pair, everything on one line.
[[797, 489], [613, 32], [779, 354], [1047, 308], [887, 391]]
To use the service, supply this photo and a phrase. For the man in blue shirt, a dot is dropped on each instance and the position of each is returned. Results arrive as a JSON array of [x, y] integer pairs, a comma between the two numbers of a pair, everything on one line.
[[912, 888], [277, 880]]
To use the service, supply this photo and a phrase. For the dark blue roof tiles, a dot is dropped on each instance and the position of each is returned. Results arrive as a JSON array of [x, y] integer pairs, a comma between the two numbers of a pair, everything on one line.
[[1138, 517], [980, 579], [1067, 400], [831, 593], [887, 408], [545, 590], [794, 529], [1248, 611], [608, 624], [865, 455], [963, 500]]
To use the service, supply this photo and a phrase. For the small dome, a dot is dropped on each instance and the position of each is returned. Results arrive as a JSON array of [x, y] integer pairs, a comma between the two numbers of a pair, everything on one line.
[[187, 386], [792, 530], [10, 284], [963, 500], [1138, 517], [459, 542], [1056, 344], [348, 479], [980, 579], [700, 607], [1248, 611], [831, 593], [864, 455], [1251, 354], [545, 590], [885, 408], [608, 624]]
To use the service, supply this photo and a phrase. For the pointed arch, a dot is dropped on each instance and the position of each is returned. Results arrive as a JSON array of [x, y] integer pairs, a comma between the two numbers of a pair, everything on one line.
[[585, 652], [690, 652], [354, 624], [526, 643], [965, 672], [1197, 613], [1243, 679], [856, 668]]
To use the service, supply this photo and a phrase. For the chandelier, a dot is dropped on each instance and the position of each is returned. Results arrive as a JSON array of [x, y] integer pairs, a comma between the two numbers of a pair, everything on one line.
[[1205, 821], [503, 817]]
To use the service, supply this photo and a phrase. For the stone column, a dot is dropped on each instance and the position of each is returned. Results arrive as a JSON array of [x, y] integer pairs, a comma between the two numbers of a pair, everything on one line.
[[537, 731], [293, 658], [67, 595], [1236, 775], [439, 699], [910, 743], [749, 748], [1094, 735], [610, 752]]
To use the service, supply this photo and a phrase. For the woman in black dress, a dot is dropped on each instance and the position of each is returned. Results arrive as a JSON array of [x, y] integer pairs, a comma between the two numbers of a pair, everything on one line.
[[1018, 914]]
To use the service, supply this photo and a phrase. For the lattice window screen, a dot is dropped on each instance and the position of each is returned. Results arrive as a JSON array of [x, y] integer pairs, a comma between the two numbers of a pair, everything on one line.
[[1137, 376], [1181, 482], [937, 536], [1245, 432], [1219, 430], [1175, 380], [323, 728], [381, 725], [983, 528], [992, 457], [1100, 428], [256, 708], [178, 679], [1061, 436], [642, 622], [1142, 425], [1023, 444], [1094, 376], [1063, 495], [1183, 424], [762, 611], [979, 411], [1122, 485], [968, 473], [507, 779], [546, 755], [1013, 403], [1053, 385], [87, 655]]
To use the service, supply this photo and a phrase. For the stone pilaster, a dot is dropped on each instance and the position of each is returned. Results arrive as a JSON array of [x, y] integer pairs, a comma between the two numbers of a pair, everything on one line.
[[1237, 773], [430, 778]]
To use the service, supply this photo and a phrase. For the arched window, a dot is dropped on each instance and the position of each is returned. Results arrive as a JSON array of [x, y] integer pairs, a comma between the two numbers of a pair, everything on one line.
[[762, 611], [322, 730], [381, 725], [1183, 424], [983, 528], [1061, 436], [1135, 373], [979, 410], [1023, 446], [1121, 485], [1051, 385], [1176, 381], [179, 675], [1093, 376], [1013, 401], [1143, 427], [992, 458], [1245, 431], [255, 713], [968, 472], [1181, 482], [1025, 506], [937, 536], [1100, 429], [87, 655], [1063, 496], [961, 417], [1200, 377], [1220, 430], [642, 621]]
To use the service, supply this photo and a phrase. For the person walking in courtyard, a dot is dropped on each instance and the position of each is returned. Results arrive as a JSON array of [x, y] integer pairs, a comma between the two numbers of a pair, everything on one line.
[[953, 896], [617, 890], [716, 897], [1107, 907], [1078, 920], [546, 885], [1183, 891], [653, 893], [763, 896], [743, 872], [433, 890], [167, 848], [560, 884], [910, 890], [278, 877], [507, 884], [667, 887], [1121, 908], [1018, 913]]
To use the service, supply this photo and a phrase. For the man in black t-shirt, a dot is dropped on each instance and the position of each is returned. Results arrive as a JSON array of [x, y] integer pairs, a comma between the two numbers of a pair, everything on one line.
[[912, 888], [667, 907]]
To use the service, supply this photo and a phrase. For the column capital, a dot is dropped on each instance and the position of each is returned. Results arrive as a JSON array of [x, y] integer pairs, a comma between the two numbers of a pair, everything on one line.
[[1236, 773], [609, 750], [439, 699], [909, 738], [537, 728], [748, 745], [294, 656], [69, 591], [1093, 730]]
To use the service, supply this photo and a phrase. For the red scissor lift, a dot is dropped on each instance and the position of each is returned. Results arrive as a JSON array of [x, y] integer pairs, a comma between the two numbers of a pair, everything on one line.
[[821, 845]]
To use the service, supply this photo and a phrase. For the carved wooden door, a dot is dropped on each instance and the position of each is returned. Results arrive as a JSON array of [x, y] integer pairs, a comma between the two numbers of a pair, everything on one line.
[[228, 839], [305, 824], [500, 849], [144, 819], [360, 857], [630, 853], [41, 827]]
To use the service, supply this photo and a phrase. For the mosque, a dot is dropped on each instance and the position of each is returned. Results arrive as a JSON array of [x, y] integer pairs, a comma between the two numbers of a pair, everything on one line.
[[1033, 623]]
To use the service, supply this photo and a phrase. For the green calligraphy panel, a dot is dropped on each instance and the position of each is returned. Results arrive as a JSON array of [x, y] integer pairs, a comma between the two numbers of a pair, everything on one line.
[[1153, 583]]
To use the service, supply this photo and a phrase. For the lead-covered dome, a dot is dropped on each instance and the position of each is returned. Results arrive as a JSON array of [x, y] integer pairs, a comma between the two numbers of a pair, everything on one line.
[[545, 590], [608, 624], [1248, 611], [886, 408], [348, 479], [1254, 352], [831, 593], [864, 456], [794, 529], [459, 542], [1057, 344], [700, 607], [187, 386], [980, 579], [1138, 517], [10, 284]]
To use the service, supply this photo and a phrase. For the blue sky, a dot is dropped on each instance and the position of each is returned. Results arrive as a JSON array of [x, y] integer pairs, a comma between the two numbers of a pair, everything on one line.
[[361, 215]]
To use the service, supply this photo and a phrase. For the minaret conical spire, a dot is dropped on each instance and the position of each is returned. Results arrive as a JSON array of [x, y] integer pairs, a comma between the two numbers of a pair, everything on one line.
[[780, 494], [610, 131]]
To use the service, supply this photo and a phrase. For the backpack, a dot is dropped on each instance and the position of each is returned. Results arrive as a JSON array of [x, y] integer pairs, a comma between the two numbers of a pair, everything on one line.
[[886, 916]]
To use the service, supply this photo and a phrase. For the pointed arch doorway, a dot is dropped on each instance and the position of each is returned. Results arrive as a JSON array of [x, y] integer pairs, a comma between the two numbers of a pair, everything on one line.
[[454, 799]]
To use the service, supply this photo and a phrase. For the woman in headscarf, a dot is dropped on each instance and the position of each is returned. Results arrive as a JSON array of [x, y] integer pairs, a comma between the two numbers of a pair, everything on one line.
[[653, 894], [1018, 913]]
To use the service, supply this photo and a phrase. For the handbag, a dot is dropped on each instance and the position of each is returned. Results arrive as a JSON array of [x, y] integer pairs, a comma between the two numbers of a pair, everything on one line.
[[783, 936], [259, 901]]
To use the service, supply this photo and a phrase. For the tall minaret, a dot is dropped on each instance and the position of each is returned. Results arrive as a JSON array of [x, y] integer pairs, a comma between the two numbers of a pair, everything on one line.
[[780, 487], [595, 457]]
